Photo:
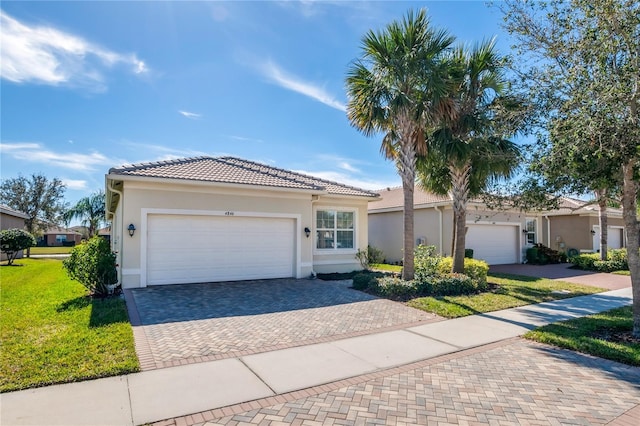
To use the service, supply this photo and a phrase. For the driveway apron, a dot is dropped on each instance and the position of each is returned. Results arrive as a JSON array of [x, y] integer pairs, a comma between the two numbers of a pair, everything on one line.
[[201, 322]]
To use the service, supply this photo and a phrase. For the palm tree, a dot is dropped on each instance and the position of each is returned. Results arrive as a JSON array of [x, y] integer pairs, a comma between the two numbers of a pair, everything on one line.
[[91, 210], [468, 150], [395, 88]]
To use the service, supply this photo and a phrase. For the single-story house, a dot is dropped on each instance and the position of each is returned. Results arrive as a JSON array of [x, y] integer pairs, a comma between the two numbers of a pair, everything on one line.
[[11, 219], [576, 225], [56, 236], [207, 219], [498, 237]]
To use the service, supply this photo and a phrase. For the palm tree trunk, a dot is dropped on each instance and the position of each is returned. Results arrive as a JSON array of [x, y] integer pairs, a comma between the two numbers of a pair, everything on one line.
[[460, 197], [406, 164], [601, 196], [629, 212]]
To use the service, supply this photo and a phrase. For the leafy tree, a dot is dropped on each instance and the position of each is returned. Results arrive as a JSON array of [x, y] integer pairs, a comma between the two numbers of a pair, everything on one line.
[[580, 61], [469, 149], [91, 210], [397, 88], [93, 264], [14, 240], [38, 197]]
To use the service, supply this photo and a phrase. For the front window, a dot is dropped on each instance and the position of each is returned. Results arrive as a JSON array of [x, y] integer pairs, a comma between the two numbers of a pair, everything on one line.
[[61, 238], [334, 229], [531, 231]]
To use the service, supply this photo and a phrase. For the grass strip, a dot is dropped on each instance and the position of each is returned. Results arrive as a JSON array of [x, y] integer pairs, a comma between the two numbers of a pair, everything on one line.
[[605, 335], [507, 291], [52, 332]]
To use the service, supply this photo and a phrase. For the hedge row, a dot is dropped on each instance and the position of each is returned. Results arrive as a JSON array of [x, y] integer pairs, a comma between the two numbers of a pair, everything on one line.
[[616, 261]]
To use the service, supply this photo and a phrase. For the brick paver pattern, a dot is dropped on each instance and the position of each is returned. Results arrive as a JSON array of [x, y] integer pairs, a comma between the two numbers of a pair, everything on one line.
[[519, 383], [204, 320]]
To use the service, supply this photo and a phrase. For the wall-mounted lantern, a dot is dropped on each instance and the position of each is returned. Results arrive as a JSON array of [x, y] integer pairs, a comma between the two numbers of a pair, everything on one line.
[[131, 229], [307, 231]]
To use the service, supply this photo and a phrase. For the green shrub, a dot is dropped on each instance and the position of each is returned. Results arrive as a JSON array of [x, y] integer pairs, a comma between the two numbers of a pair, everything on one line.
[[396, 288], [14, 240], [93, 264], [369, 256], [532, 255], [453, 285], [426, 260], [475, 269], [362, 281], [585, 261]]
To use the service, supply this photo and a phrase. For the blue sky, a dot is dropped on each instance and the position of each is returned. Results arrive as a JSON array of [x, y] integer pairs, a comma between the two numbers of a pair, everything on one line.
[[91, 85]]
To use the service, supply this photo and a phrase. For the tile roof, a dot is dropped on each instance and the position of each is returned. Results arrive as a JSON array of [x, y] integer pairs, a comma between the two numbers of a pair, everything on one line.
[[236, 171], [394, 197], [12, 212]]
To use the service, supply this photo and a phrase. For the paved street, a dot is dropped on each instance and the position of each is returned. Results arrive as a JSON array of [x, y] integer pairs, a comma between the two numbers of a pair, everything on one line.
[[515, 382]]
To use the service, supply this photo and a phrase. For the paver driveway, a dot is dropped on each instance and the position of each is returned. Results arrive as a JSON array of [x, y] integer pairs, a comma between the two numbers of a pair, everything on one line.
[[200, 322]]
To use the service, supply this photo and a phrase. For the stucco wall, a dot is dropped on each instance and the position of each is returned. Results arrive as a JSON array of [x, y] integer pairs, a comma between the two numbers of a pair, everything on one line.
[[142, 198], [10, 222], [386, 229], [575, 231]]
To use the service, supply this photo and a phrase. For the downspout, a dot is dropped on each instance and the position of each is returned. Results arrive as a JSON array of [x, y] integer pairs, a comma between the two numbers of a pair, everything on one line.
[[548, 230], [314, 198], [441, 231], [119, 229]]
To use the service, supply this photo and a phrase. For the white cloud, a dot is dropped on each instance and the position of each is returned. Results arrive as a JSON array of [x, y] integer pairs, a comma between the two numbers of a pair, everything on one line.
[[36, 152], [191, 115], [290, 82], [348, 179], [45, 55], [75, 184], [245, 139]]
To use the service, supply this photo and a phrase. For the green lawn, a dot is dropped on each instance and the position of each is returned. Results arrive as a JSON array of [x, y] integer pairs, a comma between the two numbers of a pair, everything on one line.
[[50, 250], [605, 335], [51, 332], [511, 291], [386, 267]]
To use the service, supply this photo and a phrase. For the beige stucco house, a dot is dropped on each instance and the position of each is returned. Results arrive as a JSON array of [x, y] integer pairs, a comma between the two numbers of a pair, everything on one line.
[[208, 219], [498, 237], [11, 219]]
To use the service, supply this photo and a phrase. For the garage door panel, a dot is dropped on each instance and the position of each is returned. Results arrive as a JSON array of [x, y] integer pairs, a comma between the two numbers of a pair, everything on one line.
[[495, 244], [185, 249]]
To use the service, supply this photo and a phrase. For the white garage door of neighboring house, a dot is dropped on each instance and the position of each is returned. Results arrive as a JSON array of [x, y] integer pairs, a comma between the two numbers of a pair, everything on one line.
[[495, 244], [614, 238], [192, 249]]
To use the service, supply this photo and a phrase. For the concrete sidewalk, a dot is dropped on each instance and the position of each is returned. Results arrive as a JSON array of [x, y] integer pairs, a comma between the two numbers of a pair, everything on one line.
[[171, 392]]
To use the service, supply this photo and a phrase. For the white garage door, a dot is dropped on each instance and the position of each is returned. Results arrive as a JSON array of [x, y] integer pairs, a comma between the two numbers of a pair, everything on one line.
[[193, 249], [614, 238], [495, 244]]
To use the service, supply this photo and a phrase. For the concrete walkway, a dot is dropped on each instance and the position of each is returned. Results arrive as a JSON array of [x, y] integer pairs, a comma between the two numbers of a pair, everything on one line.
[[179, 391]]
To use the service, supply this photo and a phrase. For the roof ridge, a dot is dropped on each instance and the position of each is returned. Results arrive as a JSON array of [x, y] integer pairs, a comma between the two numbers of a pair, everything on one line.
[[257, 170], [313, 178], [135, 166]]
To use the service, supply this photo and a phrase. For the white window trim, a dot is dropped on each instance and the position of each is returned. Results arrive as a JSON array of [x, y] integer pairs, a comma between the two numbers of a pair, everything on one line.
[[536, 240], [335, 251]]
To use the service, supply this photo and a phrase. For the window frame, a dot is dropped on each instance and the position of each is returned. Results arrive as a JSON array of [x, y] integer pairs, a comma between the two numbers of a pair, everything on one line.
[[335, 229], [529, 233]]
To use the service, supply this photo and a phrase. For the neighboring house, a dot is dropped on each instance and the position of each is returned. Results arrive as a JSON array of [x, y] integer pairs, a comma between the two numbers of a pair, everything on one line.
[[105, 233], [208, 219], [498, 237], [56, 236], [576, 225], [82, 230], [10, 219]]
